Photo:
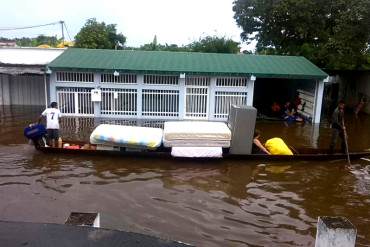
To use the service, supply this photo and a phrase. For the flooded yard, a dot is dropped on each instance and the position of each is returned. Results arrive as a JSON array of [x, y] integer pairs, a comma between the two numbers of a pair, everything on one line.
[[215, 203]]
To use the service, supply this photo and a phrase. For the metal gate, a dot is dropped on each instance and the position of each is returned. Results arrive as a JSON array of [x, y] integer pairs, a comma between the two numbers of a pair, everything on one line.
[[75, 101], [197, 97]]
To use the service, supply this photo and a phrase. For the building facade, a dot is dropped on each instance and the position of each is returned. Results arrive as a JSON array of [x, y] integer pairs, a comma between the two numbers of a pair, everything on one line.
[[166, 85], [23, 77]]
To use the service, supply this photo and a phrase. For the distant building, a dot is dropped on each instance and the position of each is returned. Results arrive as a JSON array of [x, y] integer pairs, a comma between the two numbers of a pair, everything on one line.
[[179, 85], [7, 44], [23, 77]]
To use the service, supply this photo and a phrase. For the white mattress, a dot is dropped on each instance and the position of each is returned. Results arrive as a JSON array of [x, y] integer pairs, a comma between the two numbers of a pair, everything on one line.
[[196, 143], [196, 130], [197, 152], [127, 136]]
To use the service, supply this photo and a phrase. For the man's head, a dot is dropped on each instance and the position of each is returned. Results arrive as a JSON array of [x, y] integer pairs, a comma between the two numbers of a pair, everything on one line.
[[54, 105], [256, 134], [341, 104]]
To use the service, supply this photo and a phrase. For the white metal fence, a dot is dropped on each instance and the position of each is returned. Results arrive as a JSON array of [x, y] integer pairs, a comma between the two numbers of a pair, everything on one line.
[[161, 79], [75, 101], [156, 103], [120, 79], [151, 96], [119, 101], [196, 102], [63, 76], [224, 100], [231, 82]]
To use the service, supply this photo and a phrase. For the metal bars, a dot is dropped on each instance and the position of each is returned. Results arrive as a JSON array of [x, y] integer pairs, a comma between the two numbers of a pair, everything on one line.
[[119, 101], [75, 101], [197, 81], [120, 79], [161, 79], [157, 103], [224, 100], [63, 76], [231, 82], [196, 102]]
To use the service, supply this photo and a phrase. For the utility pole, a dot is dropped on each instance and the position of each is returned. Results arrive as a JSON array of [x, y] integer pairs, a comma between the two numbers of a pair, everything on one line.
[[62, 26]]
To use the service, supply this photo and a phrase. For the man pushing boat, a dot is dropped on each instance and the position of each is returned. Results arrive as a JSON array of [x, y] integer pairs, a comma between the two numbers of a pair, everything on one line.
[[338, 127], [52, 115]]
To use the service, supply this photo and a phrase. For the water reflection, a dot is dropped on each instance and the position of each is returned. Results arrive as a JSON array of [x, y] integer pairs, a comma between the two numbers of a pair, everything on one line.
[[219, 203]]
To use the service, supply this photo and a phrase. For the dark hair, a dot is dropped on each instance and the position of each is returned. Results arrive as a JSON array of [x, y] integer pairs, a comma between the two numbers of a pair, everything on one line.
[[54, 104], [341, 102], [256, 133]]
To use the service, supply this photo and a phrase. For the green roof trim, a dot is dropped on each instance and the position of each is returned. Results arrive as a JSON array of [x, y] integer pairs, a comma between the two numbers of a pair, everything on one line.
[[193, 63]]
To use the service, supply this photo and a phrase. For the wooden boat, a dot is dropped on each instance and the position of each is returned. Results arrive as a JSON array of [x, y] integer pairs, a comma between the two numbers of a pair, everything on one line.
[[163, 152]]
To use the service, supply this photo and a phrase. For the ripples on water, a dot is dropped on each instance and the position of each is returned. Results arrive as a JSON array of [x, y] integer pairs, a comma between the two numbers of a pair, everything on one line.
[[220, 203]]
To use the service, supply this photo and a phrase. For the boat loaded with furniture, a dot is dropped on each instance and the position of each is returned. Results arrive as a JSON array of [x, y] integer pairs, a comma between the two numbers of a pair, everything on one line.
[[187, 140]]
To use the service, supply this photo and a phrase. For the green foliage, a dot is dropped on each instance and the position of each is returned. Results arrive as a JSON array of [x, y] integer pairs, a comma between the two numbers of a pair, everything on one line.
[[96, 35], [215, 45], [333, 34], [207, 44], [53, 41]]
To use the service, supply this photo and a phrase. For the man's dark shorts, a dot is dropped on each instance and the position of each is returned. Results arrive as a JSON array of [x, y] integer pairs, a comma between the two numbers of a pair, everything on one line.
[[53, 134]]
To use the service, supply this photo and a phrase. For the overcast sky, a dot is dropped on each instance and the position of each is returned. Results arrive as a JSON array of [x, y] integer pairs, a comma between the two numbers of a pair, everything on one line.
[[173, 21]]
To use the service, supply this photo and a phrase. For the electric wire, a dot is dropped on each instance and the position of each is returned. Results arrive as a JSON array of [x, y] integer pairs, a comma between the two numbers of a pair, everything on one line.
[[27, 27], [65, 25]]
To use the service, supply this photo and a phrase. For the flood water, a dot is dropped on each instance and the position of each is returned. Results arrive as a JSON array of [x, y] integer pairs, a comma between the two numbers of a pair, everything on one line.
[[215, 203]]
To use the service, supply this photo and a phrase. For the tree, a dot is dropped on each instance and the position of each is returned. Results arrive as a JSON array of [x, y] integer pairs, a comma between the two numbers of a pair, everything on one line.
[[52, 41], [95, 35], [333, 34], [215, 44]]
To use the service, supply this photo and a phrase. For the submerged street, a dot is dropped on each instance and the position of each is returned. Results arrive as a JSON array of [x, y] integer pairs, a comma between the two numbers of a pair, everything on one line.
[[216, 203]]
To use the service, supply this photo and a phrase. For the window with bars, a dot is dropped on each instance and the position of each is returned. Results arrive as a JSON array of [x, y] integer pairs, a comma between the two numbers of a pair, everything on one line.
[[160, 102], [75, 101], [161, 79], [63, 76], [224, 100], [120, 79], [231, 82], [119, 101], [197, 81]]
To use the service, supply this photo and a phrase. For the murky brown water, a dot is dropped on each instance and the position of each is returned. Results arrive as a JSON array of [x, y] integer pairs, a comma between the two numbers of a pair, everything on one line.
[[219, 203]]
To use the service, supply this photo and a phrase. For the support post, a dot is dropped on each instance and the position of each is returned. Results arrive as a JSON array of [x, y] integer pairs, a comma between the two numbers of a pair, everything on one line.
[[211, 98], [97, 113], [52, 88], [250, 90], [335, 232], [139, 97], [182, 102], [6, 99], [319, 92], [46, 91]]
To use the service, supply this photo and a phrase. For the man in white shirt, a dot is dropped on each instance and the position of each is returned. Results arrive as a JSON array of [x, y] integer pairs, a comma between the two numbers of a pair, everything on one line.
[[52, 115]]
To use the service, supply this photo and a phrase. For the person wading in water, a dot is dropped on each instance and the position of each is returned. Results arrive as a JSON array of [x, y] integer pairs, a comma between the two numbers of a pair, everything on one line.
[[337, 127]]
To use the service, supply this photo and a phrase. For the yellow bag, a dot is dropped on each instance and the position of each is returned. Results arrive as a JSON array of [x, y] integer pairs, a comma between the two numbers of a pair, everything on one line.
[[277, 146]]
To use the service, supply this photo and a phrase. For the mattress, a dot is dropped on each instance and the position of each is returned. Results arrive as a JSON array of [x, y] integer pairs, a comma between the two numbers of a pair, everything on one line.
[[196, 143], [197, 152], [127, 136], [196, 130]]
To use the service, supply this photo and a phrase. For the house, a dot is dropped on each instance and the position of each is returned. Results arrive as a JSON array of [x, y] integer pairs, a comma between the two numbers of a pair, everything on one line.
[[23, 77], [176, 85]]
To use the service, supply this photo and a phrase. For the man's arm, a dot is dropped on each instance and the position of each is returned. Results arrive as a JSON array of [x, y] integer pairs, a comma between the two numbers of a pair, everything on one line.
[[43, 114], [260, 146]]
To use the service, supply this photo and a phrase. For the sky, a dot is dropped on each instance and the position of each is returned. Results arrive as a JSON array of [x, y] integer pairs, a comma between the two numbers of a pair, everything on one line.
[[173, 21]]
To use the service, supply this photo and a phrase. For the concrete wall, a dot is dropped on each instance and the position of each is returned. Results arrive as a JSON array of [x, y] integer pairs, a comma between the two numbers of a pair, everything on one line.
[[22, 90]]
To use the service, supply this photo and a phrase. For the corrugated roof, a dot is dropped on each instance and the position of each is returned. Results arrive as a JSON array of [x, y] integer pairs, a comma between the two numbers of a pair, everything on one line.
[[28, 56], [187, 62]]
